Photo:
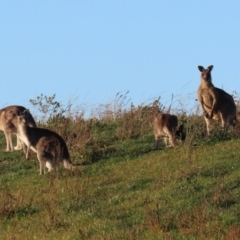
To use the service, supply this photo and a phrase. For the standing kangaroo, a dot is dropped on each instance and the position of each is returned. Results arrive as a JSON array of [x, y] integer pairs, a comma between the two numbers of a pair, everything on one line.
[[166, 125], [8, 124], [216, 103], [49, 146]]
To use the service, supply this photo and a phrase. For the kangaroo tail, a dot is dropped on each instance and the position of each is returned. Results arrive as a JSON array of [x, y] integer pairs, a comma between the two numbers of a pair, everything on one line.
[[235, 121], [68, 165]]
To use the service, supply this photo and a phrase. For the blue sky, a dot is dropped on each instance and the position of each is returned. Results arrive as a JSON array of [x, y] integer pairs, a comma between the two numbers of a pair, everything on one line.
[[88, 51]]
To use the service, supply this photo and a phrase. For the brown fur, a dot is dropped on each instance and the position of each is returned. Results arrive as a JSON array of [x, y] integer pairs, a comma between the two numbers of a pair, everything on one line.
[[8, 124], [49, 146], [166, 125], [216, 103]]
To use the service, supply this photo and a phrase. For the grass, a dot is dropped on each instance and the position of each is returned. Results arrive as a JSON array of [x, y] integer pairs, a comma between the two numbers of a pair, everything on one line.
[[183, 193], [125, 189]]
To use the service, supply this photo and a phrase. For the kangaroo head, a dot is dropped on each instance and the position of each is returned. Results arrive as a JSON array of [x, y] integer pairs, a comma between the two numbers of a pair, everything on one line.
[[23, 117], [206, 73], [180, 133]]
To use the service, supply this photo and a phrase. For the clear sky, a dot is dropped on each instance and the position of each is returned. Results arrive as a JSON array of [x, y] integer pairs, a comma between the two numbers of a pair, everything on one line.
[[88, 51]]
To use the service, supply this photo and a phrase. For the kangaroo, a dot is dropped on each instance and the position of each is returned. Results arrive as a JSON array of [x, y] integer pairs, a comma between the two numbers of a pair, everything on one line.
[[49, 146], [166, 125], [216, 103], [8, 124]]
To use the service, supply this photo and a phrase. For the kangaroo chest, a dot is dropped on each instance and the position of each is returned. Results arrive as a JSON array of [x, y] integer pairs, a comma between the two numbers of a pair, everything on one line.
[[23, 135], [207, 98]]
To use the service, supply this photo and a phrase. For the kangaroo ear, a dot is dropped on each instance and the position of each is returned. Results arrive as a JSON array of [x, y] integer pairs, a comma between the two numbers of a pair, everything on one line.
[[210, 68], [25, 112], [201, 68]]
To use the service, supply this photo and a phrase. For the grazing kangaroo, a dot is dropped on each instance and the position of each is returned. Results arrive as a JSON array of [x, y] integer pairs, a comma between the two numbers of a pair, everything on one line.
[[8, 124], [49, 146], [166, 125], [216, 103]]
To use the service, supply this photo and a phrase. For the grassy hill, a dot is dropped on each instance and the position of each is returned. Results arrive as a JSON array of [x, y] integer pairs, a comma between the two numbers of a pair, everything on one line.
[[184, 193], [124, 189]]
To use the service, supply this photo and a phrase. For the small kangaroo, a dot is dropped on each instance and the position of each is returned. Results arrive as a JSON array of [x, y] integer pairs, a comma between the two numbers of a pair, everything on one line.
[[8, 124], [216, 103], [166, 125], [49, 146]]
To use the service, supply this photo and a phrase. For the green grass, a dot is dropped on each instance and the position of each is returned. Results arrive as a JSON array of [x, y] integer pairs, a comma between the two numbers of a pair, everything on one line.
[[130, 193]]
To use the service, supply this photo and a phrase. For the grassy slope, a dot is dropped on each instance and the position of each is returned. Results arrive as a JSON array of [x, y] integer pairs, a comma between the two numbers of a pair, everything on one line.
[[183, 193]]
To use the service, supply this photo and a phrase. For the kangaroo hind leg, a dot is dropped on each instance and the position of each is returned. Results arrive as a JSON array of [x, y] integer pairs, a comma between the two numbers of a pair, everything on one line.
[[45, 161], [8, 137], [209, 123]]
